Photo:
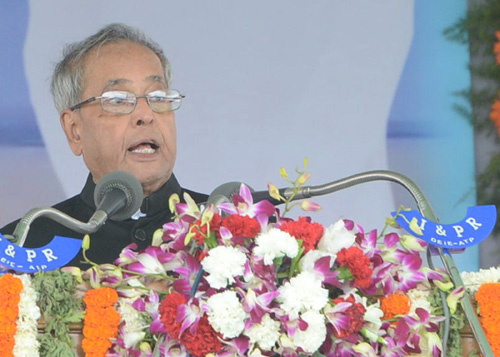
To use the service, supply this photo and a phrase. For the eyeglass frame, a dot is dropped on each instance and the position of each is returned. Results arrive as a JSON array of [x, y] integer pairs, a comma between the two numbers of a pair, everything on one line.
[[146, 96]]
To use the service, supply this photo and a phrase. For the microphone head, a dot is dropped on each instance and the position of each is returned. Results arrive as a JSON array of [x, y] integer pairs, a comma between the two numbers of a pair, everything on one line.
[[126, 183], [224, 193]]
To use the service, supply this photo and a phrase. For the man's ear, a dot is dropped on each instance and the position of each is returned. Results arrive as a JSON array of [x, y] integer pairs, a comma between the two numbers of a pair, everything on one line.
[[71, 124]]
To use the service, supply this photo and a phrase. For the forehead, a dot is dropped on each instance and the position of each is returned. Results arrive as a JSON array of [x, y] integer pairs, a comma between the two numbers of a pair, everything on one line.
[[121, 62]]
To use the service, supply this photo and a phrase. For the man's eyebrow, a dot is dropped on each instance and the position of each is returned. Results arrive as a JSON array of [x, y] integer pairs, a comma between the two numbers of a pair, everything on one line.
[[118, 81], [156, 78], [114, 82]]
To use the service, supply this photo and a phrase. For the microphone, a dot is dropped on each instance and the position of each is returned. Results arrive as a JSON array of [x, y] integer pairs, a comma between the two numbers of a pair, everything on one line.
[[224, 193], [118, 195]]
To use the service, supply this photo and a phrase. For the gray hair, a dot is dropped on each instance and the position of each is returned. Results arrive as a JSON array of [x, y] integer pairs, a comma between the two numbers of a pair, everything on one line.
[[67, 80]]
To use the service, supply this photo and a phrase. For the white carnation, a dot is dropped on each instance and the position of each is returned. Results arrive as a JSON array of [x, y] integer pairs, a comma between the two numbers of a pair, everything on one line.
[[133, 329], [226, 314], [313, 337], [302, 293], [307, 262], [275, 244], [27, 320], [222, 264], [474, 280], [265, 334], [335, 238], [419, 299], [373, 316]]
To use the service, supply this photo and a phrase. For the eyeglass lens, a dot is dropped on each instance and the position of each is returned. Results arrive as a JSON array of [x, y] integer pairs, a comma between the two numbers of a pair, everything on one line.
[[123, 102]]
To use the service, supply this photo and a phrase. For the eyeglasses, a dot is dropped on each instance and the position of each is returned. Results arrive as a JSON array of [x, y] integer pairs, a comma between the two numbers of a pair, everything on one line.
[[122, 102]]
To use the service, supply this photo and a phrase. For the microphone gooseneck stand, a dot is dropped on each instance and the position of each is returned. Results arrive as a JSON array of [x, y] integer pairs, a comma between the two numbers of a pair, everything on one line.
[[426, 210], [117, 196], [22, 228]]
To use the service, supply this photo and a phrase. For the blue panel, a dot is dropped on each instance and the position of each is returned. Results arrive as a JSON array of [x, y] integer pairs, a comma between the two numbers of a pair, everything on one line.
[[427, 140], [18, 125], [435, 69]]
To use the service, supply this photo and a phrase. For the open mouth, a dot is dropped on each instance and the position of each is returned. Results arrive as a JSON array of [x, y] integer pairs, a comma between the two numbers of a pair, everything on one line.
[[144, 148]]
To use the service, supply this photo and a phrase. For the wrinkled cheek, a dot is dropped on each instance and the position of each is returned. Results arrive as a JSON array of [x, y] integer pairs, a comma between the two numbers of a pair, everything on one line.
[[171, 144]]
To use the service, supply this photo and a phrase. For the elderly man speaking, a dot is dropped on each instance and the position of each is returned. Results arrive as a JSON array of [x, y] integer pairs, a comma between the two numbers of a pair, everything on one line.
[[113, 92]]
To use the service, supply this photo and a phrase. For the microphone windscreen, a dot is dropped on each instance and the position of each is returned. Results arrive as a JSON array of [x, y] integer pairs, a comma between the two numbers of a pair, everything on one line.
[[224, 193], [126, 183]]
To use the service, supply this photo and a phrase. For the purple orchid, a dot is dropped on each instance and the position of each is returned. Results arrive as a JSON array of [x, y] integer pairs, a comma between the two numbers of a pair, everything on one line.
[[336, 316], [128, 255], [243, 205], [187, 276], [155, 261], [189, 315], [257, 304], [328, 276], [368, 243], [410, 329]]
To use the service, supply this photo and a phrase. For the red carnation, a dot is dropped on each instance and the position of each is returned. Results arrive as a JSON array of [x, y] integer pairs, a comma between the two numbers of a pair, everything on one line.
[[204, 341], [355, 314], [358, 264], [309, 233], [201, 230], [241, 226], [168, 312]]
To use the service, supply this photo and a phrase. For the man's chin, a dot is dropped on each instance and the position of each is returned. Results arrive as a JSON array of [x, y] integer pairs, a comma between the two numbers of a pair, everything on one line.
[[151, 184], [151, 180]]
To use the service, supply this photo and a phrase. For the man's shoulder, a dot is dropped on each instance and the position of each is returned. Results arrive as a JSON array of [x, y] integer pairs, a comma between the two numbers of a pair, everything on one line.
[[71, 205]]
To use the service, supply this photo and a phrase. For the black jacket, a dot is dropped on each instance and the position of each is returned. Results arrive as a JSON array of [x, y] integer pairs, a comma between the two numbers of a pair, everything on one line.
[[107, 243]]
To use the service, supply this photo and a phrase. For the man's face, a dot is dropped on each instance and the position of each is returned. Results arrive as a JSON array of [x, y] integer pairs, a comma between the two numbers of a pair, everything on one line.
[[142, 142]]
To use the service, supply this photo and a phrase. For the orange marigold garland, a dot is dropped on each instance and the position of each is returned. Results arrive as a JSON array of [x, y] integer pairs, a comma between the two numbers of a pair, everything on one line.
[[11, 288], [495, 108], [496, 47], [101, 321], [488, 300], [495, 114], [395, 304]]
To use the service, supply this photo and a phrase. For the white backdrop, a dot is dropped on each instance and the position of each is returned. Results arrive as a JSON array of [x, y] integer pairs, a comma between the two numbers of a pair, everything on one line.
[[266, 86]]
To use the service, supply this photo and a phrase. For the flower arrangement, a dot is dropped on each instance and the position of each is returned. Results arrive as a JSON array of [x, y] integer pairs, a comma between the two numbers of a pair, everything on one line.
[[242, 279]]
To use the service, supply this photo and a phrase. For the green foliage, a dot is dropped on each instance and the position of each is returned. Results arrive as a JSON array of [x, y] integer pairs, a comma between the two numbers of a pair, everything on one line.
[[457, 323], [477, 29], [59, 306]]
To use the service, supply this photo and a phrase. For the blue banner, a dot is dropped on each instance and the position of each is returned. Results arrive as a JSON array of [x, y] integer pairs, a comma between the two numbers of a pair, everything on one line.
[[54, 255], [474, 228]]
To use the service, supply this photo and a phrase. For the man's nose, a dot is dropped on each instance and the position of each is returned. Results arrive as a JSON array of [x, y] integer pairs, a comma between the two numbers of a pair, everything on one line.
[[142, 113]]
